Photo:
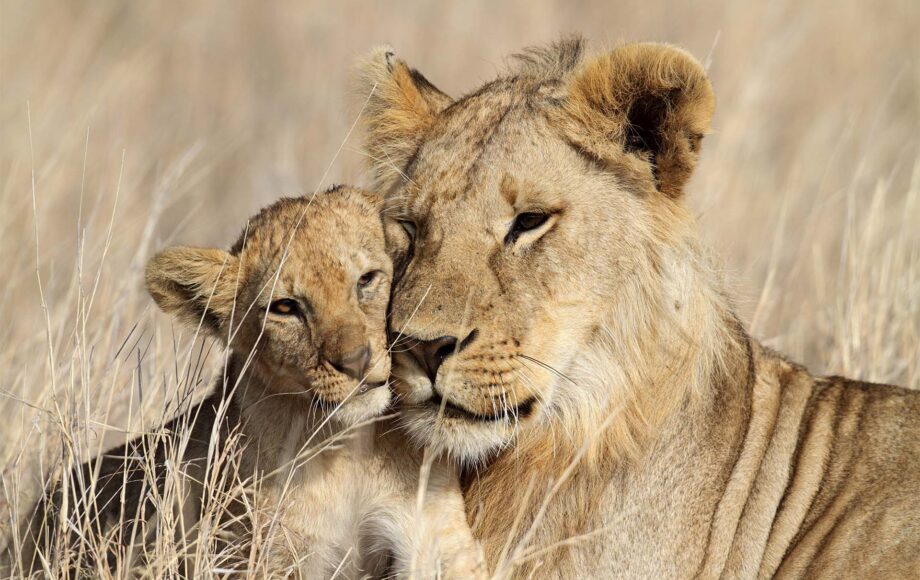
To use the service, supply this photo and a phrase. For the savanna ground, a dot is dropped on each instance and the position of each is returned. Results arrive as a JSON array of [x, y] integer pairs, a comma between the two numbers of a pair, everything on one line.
[[126, 127]]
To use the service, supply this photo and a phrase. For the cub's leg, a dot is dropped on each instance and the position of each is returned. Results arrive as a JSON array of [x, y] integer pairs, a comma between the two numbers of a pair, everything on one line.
[[426, 528], [455, 551]]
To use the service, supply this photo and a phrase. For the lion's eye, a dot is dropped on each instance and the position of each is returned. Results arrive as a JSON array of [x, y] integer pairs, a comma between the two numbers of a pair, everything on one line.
[[525, 222], [409, 228], [284, 307], [530, 221]]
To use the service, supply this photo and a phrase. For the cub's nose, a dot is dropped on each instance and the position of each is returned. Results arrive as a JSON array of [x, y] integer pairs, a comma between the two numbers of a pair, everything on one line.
[[354, 364], [431, 353]]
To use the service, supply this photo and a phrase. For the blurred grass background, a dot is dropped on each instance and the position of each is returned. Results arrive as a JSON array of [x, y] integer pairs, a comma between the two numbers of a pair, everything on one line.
[[127, 126]]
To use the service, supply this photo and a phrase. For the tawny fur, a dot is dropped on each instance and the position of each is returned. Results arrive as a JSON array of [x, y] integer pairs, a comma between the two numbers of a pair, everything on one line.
[[287, 450], [634, 429]]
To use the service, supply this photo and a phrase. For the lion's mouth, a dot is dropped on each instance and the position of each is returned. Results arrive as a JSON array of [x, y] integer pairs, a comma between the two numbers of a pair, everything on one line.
[[453, 411]]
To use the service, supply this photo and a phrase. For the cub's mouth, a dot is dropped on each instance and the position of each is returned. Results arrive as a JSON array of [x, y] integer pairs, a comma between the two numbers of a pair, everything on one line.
[[329, 406], [452, 411]]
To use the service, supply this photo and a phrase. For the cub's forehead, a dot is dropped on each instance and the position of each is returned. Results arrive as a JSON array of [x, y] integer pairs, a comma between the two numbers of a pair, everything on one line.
[[334, 226]]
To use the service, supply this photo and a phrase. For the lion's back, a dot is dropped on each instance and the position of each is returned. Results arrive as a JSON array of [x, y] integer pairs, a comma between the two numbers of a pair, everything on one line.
[[864, 516]]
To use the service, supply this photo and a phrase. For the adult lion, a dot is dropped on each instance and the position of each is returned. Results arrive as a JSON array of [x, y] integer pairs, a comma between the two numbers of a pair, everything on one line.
[[566, 337]]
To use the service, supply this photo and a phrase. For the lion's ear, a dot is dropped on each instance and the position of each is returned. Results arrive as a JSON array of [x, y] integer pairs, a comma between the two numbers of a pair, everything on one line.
[[651, 101], [196, 285], [401, 106]]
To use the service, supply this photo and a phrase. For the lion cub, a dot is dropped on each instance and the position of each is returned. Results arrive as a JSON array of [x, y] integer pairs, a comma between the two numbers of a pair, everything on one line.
[[300, 301]]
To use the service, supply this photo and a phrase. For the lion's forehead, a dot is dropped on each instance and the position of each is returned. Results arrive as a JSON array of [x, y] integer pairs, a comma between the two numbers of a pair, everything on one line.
[[477, 163], [456, 159]]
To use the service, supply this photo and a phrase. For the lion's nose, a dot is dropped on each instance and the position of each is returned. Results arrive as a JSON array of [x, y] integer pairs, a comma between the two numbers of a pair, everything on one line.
[[353, 364], [431, 353]]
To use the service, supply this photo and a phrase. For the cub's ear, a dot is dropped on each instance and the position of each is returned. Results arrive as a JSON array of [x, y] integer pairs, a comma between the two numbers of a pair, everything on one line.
[[652, 102], [401, 106], [196, 285]]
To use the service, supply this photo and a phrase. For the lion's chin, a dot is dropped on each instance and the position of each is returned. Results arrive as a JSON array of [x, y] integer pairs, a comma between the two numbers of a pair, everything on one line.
[[470, 442]]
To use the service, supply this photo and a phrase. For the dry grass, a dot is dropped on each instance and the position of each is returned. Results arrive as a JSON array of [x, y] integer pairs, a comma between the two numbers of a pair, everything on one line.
[[129, 126]]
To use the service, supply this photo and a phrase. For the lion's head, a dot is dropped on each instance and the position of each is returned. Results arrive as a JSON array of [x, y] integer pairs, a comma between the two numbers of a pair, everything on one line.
[[538, 212], [303, 292]]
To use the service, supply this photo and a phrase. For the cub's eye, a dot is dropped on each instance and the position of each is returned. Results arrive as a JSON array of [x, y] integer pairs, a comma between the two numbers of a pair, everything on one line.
[[367, 283], [367, 279], [525, 222], [284, 307]]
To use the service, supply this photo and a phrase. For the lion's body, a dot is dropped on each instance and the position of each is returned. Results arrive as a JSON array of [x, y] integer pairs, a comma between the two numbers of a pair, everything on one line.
[[773, 473], [615, 418], [284, 465]]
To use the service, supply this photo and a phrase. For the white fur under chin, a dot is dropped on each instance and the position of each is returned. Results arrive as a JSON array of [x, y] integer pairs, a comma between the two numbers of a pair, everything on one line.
[[469, 442]]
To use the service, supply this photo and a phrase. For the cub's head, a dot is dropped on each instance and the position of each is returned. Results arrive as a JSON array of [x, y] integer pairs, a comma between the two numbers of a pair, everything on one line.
[[305, 290], [536, 214]]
